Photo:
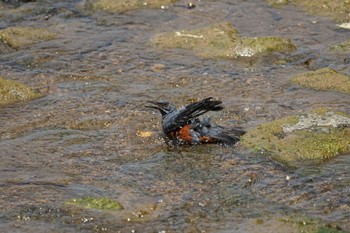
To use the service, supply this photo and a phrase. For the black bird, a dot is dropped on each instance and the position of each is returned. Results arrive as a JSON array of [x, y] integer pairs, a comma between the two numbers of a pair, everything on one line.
[[182, 126]]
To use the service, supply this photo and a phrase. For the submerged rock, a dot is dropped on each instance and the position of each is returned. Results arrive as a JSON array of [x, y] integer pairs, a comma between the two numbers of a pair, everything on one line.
[[5, 48], [120, 6], [324, 79], [16, 37], [12, 91], [316, 136], [222, 41], [338, 10], [259, 45], [343, 47], [277, 3]]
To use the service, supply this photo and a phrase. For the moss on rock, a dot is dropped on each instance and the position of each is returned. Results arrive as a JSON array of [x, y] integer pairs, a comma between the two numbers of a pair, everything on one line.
[[324, 79], [16, 37], [120, 6], [222, 41], [96, 203], [313, 137], [12, 91]]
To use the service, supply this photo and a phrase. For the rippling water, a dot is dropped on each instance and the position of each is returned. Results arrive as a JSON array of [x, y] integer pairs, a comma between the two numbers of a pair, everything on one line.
[[80, 139]]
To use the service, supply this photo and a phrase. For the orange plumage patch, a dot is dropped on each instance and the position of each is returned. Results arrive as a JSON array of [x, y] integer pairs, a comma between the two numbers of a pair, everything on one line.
[[185, 133]]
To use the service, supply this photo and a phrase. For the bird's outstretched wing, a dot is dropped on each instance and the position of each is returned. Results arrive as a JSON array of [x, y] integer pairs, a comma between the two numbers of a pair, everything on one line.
[[192, 111]]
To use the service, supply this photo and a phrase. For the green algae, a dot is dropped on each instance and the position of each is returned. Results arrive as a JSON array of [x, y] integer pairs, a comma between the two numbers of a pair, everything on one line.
[[16, 37], [222, 40], [121, 6], [12, 91], [324, 79], [96, 203], [295, 139]]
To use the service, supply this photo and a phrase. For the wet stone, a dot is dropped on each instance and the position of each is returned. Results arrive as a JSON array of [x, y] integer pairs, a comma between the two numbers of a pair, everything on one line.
[[316, 136], [343, 47], [120, 6], [344, 25], [17, 3], [12, 91], [222, 40], [338, 10], [16, 37], [5, 48], [324, 79]]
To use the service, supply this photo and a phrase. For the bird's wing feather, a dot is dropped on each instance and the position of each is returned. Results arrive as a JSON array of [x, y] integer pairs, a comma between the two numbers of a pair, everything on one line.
[[192, 111]]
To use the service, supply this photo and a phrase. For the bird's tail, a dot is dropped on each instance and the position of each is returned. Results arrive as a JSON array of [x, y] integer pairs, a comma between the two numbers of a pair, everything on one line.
[[229, 137], [217, 133]]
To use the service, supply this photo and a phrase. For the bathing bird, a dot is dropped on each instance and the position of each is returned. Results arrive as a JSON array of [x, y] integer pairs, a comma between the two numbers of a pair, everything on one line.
[[182, 126]]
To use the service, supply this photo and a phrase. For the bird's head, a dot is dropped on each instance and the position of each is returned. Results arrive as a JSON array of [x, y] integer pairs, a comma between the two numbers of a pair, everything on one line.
[[163, 106]]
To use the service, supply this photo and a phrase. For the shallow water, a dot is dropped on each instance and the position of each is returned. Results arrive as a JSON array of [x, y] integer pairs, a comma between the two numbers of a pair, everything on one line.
[[80, 139]]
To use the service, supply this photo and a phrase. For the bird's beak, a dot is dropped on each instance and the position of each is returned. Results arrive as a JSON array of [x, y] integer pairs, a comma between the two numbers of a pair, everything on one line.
[[157, 105]]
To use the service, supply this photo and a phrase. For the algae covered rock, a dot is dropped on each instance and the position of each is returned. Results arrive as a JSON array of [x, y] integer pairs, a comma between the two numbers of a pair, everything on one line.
[[16, 37], [248, 47], [315, 136], [222, 40], [324, 79], [96, 203], [120, 6], [12, 91]]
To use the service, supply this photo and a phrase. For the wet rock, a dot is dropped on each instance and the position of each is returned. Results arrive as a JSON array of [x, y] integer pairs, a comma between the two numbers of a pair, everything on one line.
[[5, 48], [343, 47], [12, 91], [158, 67], [120, 6], [89, 124], [96, 203], [144, 134], [338, 10], [16, 37], [249, 47], [17, 2], [316, 136], [32, 212], [324, 79], [307, 224], [276, 3], [222, 41], [344, 25]]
